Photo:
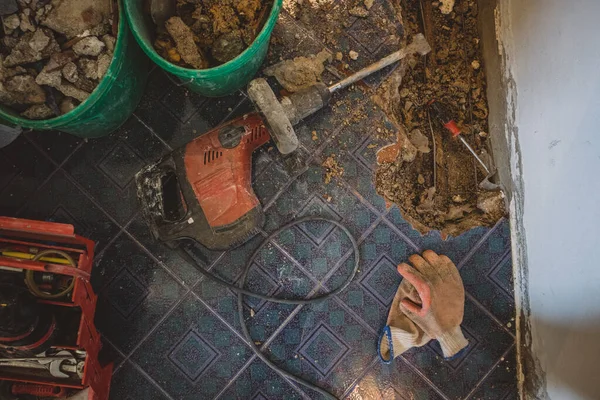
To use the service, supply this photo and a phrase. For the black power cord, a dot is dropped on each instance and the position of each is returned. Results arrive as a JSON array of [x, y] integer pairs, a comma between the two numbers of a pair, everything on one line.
[[241, 291]]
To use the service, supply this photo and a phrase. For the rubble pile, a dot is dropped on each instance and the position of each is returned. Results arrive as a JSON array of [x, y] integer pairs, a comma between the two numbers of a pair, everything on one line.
[[53, 54]]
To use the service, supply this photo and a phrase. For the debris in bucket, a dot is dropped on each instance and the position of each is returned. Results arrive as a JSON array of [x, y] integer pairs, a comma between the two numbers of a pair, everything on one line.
[[431, 176], [53, 54], [200, 34]]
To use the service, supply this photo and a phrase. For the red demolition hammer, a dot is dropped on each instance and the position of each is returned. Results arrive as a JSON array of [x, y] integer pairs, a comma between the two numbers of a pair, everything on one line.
[[203, 190]]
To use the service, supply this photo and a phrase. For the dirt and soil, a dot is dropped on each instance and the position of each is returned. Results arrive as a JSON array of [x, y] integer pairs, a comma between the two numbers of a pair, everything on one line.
[[53, 54], [206, 33], [431, 176], [301, 72]]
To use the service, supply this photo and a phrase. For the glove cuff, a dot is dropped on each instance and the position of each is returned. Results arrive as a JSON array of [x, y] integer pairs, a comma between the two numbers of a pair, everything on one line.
[[395, 341], [452, 342]]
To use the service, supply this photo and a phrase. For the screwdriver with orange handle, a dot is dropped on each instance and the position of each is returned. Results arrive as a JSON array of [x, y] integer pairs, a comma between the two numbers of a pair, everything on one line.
[[439, 112]]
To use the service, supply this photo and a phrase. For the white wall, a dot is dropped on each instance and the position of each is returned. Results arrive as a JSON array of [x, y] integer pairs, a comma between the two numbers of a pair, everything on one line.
[[555, 61]]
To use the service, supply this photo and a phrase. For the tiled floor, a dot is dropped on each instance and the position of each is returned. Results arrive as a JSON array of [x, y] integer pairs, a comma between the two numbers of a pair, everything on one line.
[[174, 335]]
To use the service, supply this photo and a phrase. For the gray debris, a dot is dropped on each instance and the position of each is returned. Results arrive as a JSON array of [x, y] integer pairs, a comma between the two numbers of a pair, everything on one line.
[[85, 84], [71, 91], [360, 12], [54, 79], [8, 7], [109, 42], [72, 17], [68, 104], [24, 53], [49, 78], [420, 141], [228, 46], [491, 202], [89, 46], [6, 73], [103, 63], [11, 22], [9, 42], [29, 37], [70, 73], [39, 40], [88, 67], [22, 89], [59, 60], [38, 111], [26, 25]]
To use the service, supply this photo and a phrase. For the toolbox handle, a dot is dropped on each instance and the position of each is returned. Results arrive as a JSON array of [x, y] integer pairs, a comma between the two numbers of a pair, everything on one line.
[[37, 227]]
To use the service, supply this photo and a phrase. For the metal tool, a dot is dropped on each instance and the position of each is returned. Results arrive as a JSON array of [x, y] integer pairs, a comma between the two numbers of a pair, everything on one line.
[[203, 190], [281, 116], [440, 113], [59, 366]]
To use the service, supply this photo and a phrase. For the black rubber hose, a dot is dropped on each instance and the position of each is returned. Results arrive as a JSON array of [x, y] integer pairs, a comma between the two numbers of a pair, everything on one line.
[[241, 291]]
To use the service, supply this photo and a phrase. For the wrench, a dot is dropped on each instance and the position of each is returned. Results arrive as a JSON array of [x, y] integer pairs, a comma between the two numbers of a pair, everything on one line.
[[54, 365]]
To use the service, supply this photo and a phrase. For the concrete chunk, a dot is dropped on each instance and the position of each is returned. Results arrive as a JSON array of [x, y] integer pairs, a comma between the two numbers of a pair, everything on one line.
[[72, 17], [89, 46]]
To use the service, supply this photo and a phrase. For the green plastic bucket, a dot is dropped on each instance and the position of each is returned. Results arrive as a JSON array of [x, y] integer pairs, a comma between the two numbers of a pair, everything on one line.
[[211, 82], [113, 101]]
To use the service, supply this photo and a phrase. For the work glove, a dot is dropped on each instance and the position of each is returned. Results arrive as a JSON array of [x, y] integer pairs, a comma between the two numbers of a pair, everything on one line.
[[400, 332], [441, 308]]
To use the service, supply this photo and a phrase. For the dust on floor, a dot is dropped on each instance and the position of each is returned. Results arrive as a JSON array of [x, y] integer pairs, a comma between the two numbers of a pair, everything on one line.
[[431, 176]]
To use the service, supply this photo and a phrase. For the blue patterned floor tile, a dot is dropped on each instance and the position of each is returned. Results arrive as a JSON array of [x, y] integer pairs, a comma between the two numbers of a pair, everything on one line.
[[130, 384], [109, 354], [57, 145], [277, 275], [185, 272], [268, 184], [456, 378], [356, 174], [317, 259], [397, 381], [309, 195], [192, 354], [228, 267], [106, 167], [487, 276], [456, 248], [23, 169], [182, 102], [259, 382], [384, 241], [324, 344], [134, 293], [372, 291], [501, 383], [177, 124], [359, 299], [63, 202]]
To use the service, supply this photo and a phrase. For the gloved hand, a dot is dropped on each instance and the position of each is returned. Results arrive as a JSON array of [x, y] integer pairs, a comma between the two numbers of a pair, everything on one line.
[[401, 333], [441, 308]]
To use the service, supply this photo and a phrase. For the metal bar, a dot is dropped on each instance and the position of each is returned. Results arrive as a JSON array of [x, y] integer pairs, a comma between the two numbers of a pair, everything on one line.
[[468, 146], [363, 73]]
